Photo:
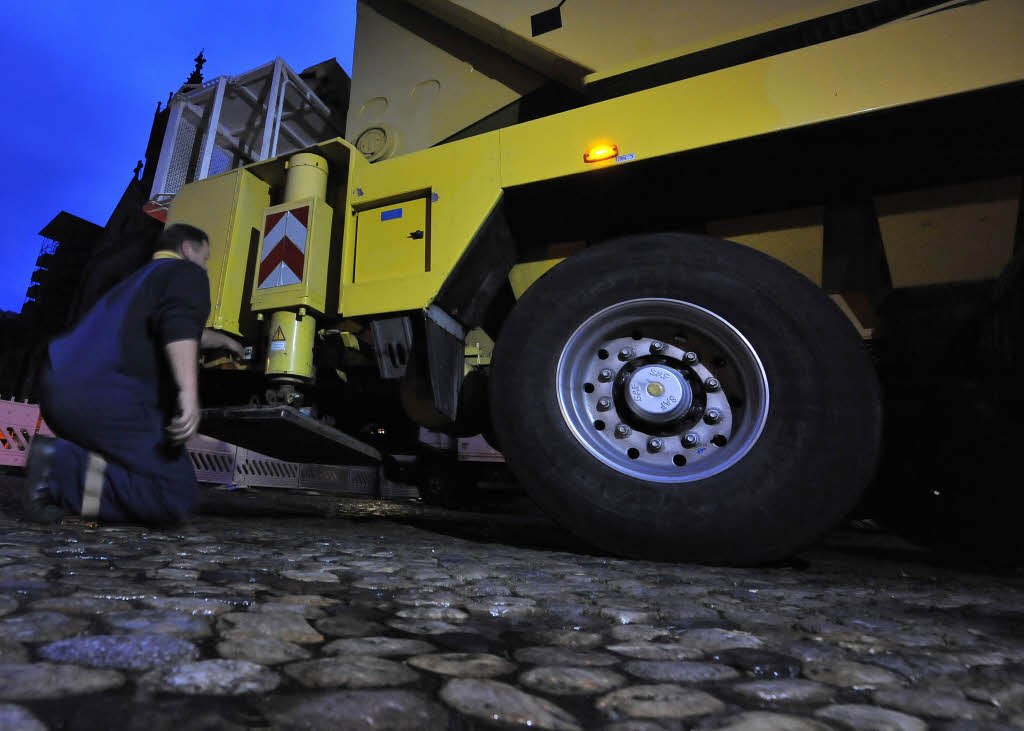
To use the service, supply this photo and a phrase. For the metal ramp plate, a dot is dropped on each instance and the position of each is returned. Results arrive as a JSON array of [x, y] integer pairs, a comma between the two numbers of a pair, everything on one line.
[[285, 433]]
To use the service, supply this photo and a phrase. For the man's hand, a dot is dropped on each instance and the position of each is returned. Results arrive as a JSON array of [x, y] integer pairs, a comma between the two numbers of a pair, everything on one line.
[[183, 356], [235, 348], [186, 423], [214, 339]]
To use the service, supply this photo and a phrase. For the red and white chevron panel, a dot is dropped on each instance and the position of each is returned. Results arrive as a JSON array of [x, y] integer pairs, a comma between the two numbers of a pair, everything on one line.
[[283, 255]]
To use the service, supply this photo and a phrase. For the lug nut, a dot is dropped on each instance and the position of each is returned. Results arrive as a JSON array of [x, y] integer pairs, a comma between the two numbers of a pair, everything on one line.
[[604, 403], [654, 444], [622, 431], [657, 347], [712, 384], [690, 358], [626, 354], [605, 375], [690, 440], [713, 416]]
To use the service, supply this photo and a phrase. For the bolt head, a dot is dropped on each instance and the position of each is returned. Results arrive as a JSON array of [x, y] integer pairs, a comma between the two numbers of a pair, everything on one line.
[[713, 416], [690, 358], [605, 375], [622, 431], [655, 444], [712, 384], [626, 354], [604, 403], [657, 347], [690, 440]]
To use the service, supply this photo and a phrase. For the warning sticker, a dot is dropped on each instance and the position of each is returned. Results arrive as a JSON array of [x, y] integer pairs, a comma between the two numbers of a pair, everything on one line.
[[283, 256], [278, 342]]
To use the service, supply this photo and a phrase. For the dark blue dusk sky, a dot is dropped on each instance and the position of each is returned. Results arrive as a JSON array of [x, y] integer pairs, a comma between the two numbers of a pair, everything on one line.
[[83, 79]]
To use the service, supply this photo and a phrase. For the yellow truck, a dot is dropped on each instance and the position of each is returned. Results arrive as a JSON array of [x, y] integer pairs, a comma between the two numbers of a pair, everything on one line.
[[640, 246]]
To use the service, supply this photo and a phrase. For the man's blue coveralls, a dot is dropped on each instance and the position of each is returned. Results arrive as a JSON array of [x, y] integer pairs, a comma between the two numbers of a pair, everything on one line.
[[109, 393]]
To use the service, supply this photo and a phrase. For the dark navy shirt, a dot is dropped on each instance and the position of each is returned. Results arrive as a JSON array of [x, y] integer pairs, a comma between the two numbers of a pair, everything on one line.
[[173, 304], [121, 340]]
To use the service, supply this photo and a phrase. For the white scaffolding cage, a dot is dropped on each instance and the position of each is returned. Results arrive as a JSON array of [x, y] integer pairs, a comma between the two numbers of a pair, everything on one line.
[[229, 122]]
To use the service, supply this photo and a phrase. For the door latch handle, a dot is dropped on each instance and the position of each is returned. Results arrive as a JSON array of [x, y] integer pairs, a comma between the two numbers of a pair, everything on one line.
[[416, 235]]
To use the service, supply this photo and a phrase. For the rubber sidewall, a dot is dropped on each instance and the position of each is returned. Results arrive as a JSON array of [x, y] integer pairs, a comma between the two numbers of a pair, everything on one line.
[[817, 451]]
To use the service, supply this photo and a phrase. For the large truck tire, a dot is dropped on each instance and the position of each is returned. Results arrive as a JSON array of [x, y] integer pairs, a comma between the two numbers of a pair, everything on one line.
[[955, 420], [677, 397]]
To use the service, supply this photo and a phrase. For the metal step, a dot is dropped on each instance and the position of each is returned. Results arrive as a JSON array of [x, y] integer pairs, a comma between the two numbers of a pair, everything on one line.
[[283, 432], [219, 463]]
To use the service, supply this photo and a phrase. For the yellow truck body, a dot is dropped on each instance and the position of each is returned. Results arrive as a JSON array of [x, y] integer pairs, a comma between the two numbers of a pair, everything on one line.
[[954, 52], [441, 196]]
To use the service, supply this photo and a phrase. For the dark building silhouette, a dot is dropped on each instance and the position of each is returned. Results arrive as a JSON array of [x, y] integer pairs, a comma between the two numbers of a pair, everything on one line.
[[60, 265], [48, 303]]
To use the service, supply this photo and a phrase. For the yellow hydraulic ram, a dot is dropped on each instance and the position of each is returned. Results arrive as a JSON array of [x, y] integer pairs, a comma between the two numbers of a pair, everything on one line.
[[290, 344], [291, 277]]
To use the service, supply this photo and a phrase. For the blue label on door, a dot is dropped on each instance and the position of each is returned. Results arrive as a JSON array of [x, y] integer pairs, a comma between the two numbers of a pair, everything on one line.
[[391, 215]]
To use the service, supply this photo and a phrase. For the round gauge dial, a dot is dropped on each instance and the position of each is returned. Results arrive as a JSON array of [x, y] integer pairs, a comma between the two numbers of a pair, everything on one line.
[[372, 142]]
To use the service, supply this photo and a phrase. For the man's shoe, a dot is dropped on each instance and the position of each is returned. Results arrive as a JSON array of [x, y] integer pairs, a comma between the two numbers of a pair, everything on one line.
[[37, 500]]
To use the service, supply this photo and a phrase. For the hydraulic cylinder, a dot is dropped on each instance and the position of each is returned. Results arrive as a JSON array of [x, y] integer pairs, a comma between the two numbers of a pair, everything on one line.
[[290, 345], [291, 276]]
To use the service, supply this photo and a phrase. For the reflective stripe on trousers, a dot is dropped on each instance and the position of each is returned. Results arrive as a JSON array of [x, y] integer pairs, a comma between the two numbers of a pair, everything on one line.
[[92, 492]]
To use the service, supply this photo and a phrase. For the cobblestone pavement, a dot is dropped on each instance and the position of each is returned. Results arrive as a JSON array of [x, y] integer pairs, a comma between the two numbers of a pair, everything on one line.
[[363, 622]]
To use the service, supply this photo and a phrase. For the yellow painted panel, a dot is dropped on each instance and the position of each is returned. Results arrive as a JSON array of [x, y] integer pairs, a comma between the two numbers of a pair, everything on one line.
[[950, 52], [524, 275], [462, 180], [953, 51], [385, 247], [311, 290], [229, 208], [611, 35], [414, 92], [955, 233], [792, 237]]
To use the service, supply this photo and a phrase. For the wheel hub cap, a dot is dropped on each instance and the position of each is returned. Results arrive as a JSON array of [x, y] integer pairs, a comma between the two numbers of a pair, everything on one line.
[[665, 417], [658, 394]]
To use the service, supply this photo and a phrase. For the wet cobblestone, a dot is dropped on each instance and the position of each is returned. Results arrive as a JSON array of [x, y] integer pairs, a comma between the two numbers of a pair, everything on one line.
[[360, 622]]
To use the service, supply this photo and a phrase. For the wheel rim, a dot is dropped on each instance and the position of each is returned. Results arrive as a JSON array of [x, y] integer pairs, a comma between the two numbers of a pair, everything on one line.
[[662, 390]]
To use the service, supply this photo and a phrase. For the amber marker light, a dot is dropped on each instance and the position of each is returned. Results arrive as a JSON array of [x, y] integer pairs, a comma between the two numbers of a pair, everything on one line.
[[600, 152]]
